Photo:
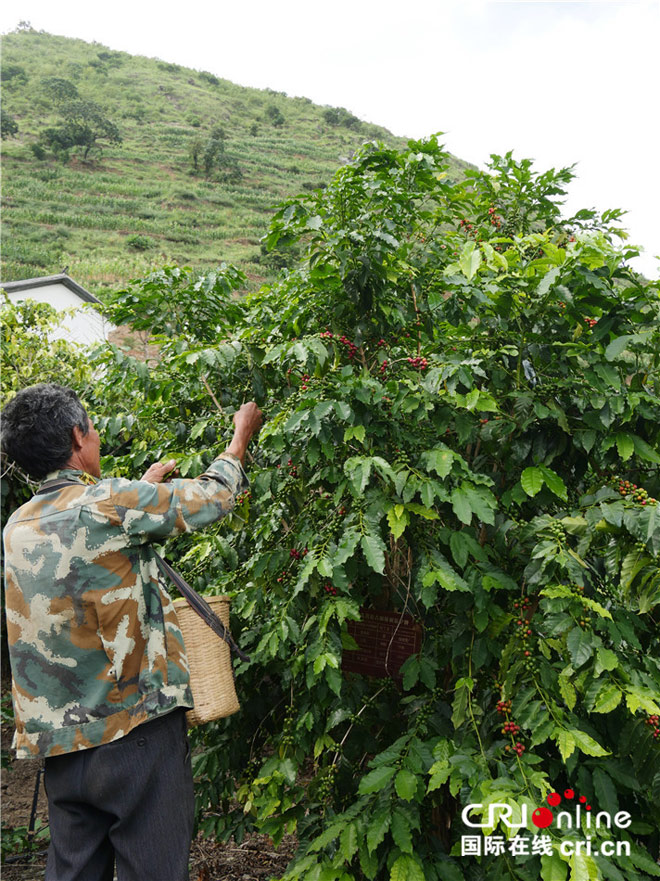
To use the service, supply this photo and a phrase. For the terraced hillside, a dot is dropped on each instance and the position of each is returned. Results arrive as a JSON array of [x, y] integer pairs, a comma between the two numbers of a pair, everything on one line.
[[140, 203]]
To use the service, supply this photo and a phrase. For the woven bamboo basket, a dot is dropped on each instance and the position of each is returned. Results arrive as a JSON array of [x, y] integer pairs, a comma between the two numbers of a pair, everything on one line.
[[209, 657]]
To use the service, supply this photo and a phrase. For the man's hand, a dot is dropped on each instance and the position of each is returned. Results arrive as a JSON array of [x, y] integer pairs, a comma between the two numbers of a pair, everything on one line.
[[248, 419], [247, 422], [158, 472]]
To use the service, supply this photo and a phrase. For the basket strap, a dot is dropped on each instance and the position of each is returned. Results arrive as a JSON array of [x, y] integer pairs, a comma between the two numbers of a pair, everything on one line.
[[199, 605], [195, 601], [51, 485]]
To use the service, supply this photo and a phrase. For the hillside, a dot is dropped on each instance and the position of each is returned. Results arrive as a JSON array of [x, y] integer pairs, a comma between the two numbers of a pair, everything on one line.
[[139, 203]]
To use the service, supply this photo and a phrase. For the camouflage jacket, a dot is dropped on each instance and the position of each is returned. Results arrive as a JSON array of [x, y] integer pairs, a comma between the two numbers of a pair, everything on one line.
[[94, 641]]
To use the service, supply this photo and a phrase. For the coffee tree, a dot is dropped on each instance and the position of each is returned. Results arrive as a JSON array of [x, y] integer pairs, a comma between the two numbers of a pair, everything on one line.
[[32, 350], [462, 395]]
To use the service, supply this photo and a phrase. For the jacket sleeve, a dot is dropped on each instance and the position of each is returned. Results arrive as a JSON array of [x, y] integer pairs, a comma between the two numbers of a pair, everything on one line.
[[150, 511]]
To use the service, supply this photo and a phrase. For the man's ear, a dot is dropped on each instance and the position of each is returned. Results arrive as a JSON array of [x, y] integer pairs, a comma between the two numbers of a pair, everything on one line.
[[77, 436]]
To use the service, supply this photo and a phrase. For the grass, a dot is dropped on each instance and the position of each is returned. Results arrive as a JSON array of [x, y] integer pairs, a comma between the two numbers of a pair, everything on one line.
[[89, 214]]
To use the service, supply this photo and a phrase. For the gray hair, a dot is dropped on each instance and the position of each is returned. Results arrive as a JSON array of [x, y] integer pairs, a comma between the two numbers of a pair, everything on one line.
[[37, 425]]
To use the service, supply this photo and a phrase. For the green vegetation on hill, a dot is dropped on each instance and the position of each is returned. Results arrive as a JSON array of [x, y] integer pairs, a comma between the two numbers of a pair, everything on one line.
[[135, 205]]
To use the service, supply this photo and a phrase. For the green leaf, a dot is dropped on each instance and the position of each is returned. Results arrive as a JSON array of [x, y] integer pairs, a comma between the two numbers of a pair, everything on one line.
[[645, 451], [358, 470], [644, 861], [373, 548], [356, 431], [481, 501], [575, 525], [637, 699], [378, 826], [597, 608], [619, 345], [461, 505], [410, 670], [494, 259], [553, 868], [397, 519], [296, 420], [401, 831], [531, 480], [554, 482], [567, 692], [605, 790], [547, 281], [608, 698], [407, 868], [343, 410], [422, 511], [470, 260], [439, 460], [444, 575], [559, 415], [606, 659], [347, 546], [459, 707], [368, 862], [565, 742], [587, 744], [583, 867], [439, 772], [406, 784], [460, 548], [472, 399], [348, 842], [580, 647], [323, 840], [624, 445], [384, 468], [376, 780], [334, 679]]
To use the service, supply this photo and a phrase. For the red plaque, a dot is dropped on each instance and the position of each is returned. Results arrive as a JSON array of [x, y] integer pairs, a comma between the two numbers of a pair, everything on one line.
[[385, 640]]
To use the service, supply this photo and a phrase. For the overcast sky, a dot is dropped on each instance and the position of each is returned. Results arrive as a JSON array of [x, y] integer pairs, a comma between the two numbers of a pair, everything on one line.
[[557, 81]]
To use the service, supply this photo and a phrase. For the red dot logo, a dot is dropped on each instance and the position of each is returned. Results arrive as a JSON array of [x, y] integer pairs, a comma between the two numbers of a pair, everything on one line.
[[554, 799], [583, 799], [542, 817], [569, 793]]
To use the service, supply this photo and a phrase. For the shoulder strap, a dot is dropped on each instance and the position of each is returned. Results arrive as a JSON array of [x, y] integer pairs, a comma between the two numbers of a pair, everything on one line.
[[51, 485], [199, 605], [195, 600]]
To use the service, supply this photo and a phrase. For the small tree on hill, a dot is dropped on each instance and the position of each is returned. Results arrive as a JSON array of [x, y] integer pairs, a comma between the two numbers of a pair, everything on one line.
[[85, 126], [274, 115], [210, 156], [59, 90], [13, 74], [8, 125]]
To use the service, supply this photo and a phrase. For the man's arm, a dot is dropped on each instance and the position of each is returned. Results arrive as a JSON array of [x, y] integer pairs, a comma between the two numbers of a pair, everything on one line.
[[247, 422], [154, 509]]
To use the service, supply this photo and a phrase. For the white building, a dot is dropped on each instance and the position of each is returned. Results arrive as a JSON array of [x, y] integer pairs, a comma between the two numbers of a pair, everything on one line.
[[81, 321]]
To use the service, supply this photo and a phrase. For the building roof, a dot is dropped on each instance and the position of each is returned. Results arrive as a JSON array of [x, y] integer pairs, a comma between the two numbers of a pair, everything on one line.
[[45, 281]]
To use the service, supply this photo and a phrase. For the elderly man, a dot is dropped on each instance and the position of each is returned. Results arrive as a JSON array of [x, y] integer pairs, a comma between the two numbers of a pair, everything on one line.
[[100, 677]]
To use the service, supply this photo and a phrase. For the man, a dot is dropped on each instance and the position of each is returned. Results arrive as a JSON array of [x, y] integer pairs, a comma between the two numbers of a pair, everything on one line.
[[100, 676]]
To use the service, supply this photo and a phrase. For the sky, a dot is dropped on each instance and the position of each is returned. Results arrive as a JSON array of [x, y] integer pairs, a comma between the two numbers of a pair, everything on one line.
[[556, 81]]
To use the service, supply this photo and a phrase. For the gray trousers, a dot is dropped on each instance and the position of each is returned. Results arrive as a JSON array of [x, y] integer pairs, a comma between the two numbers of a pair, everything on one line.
[[129, 803]]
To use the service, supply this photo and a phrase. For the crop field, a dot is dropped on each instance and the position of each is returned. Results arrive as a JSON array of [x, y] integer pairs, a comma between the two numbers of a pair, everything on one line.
[[135, 205]]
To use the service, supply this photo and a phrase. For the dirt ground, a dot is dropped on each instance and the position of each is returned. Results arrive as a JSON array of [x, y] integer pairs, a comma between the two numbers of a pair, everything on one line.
[[255, 859]]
